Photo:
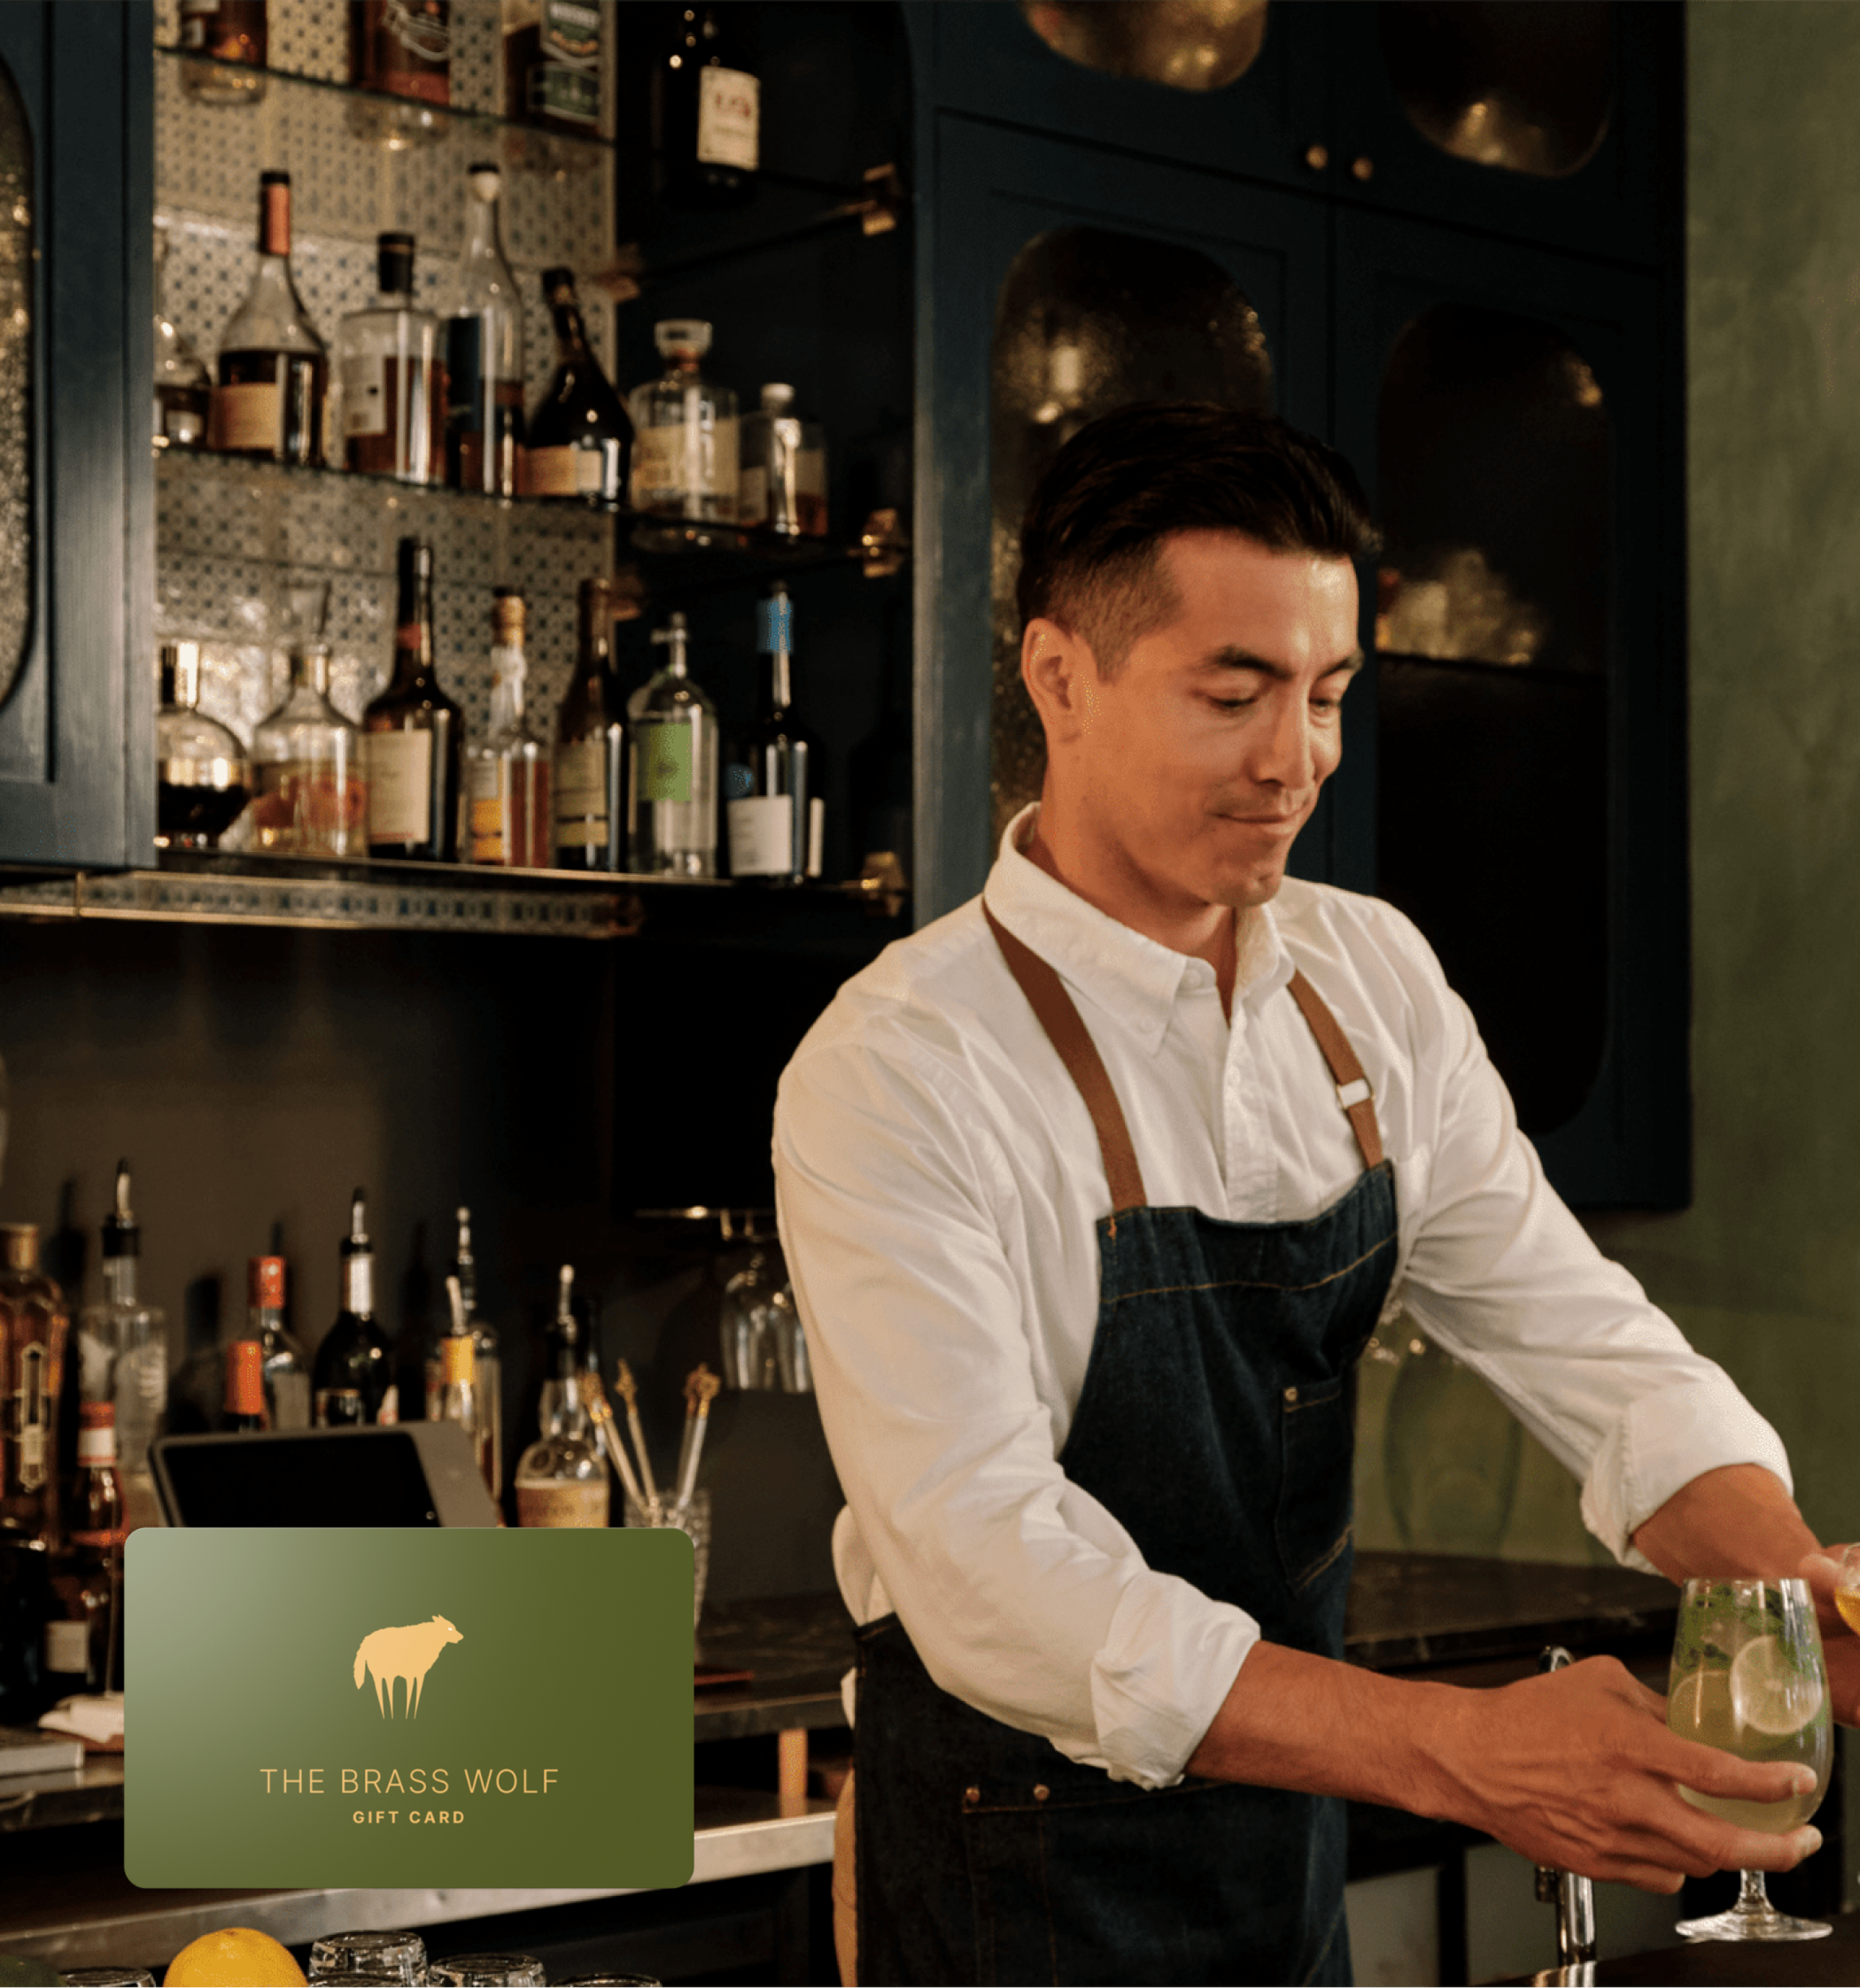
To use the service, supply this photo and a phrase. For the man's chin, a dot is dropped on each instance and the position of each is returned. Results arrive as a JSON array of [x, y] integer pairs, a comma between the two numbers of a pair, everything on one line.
[[1245, 892]]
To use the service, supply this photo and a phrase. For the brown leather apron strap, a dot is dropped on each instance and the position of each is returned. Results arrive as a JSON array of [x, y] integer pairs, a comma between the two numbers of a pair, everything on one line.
[[1059, 1016], [1355, 1091]]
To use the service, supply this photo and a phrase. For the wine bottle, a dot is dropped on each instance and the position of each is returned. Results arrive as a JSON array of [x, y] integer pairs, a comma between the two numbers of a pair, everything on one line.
[[772, 808], [244, 1410], [272, 371], [507, 778], [413, 734], [484, 351], [671, 767], [581, 439], [706, 113], [387, 364], [351, 1379], [590, 744]]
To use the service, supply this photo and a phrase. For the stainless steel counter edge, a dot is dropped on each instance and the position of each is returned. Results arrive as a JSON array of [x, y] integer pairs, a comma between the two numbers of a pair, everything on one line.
[[738, 1848]]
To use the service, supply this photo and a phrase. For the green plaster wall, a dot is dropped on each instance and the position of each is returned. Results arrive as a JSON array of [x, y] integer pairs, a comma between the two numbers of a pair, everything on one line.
[[1762, 1272]]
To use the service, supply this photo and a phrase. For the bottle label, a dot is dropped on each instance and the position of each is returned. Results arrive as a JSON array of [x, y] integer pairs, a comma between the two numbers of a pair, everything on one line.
[[565, 85], [762, 836], [665, 762], [581, 790], [68, 1648], [486, 784], [358, 1284], [659, 467], [401, 788], [248, 416], [566, 472], [364, 393], [729, 113], [816, 834], [97, 1446], [570, 1503]]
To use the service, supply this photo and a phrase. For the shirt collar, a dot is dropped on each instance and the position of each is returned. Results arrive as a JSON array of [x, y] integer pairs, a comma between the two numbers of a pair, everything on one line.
[[1134, 979]]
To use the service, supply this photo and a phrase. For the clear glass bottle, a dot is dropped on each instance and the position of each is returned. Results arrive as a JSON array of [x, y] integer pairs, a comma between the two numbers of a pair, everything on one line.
[[122, 1349], [773, 810], [581, 439], [487, 1361], [311, 799], [272, 372], [227, 31], [284, 1365], [460, 1400], [403, 50], [671, 758], [350, 1381], [706, 113], [99, 1525], [591, 746], [203, 777], [507, 772], [183, 387], [783, 483], [388, 375], [34, 1322], [485, 427], [561, 1477], [413, 734], [686, 450]]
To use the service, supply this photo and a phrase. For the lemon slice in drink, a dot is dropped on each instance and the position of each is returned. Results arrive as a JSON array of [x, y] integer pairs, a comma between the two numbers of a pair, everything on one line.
[[1768, 1693]]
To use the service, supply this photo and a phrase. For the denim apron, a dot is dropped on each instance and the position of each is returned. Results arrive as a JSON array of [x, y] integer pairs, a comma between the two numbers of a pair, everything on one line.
[[1216, 1424]]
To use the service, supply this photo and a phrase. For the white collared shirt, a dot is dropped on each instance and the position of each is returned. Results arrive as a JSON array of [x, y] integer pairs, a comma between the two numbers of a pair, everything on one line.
[[940, 1182]]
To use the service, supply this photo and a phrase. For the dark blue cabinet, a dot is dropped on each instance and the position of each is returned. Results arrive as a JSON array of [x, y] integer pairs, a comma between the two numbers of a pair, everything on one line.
[[76, 730]]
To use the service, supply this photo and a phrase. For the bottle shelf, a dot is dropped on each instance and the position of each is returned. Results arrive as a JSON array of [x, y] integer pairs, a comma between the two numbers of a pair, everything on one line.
[[315, 893]]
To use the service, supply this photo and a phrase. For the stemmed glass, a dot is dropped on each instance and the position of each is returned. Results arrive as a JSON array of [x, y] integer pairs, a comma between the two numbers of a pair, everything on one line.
[[1748, 1676]]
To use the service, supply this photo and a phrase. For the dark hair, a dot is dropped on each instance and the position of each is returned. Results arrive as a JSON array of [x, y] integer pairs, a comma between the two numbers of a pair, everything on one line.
[[1124, 483]]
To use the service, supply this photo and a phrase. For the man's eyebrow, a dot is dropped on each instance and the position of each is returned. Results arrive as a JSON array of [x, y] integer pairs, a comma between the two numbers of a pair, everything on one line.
[[1236, 658]]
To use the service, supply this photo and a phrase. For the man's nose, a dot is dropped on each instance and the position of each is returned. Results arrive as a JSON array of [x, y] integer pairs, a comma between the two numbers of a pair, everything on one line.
[[1280, 749]]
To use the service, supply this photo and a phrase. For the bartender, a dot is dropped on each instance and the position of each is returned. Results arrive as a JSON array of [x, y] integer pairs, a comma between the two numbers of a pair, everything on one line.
[[1092, 1192]]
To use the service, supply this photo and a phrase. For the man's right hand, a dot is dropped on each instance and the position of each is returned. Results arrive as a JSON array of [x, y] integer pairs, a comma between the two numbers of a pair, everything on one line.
[[1574, 1769]]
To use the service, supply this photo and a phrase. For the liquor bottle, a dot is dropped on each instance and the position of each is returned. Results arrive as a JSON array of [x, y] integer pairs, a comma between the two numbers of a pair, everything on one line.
[[685, 449], [412, 734], [590, 746], [403, 49], [773, 808], [561, 1477], [123, 1353], [272, 373], [244, 1410], [351, 1379], [671, 760], [284, 1365], [581, 440], [183, 387], [460, 1400], [99, 1526], [552, 65], [311, 799], [783, 483], [507, 772], [33, 1325], [388, 368], [487, 1363], [484, 353], [706, 113], [203, 778], [230, 31]]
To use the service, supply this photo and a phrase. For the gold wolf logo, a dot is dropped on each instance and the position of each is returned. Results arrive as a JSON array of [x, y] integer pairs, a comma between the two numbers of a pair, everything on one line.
[[409, 1654]]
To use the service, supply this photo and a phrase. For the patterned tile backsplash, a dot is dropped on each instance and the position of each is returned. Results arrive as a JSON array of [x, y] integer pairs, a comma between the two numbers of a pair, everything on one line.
[[230, 536]]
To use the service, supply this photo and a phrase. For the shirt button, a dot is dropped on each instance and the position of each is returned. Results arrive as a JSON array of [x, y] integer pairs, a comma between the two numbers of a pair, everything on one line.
[[1292, 1395], [1041, 1791], [972, 1795]]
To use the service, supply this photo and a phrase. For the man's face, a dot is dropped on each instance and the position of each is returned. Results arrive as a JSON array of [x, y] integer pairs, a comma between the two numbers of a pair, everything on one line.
[[1201, 758]]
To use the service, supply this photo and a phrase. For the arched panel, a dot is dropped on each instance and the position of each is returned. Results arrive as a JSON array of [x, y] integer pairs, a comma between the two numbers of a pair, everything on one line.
[[1183, 44]]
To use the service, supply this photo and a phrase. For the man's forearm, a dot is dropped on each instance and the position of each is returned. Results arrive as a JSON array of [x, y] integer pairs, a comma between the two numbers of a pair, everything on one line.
[[1737, 1520]]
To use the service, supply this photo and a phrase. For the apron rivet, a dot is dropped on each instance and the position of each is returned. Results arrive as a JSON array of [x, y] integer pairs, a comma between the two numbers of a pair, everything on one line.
[[1041, 1791], [1291, 1394], [970, 1796]]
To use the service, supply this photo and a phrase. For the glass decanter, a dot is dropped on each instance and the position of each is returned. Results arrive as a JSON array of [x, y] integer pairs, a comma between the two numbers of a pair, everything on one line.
[[203, 778], [312, 799]]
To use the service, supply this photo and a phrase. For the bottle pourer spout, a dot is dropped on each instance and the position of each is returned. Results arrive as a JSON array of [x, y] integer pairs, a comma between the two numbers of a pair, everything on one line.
[[123, 1213], [359, 1216]]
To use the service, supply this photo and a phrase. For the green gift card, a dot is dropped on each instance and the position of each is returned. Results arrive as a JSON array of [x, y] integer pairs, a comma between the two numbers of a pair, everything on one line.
[[466, 1706]]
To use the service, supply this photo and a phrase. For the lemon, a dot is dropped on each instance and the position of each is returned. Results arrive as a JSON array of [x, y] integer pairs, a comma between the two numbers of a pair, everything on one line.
[[234, 1957], [1768, 1693], [1685, 1705]]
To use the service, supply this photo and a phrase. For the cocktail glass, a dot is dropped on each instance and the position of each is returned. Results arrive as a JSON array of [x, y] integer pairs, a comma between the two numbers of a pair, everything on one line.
[[1748, 1676]]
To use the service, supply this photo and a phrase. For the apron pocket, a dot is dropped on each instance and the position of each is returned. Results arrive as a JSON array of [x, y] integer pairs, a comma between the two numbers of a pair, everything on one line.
[[1317, 1448]]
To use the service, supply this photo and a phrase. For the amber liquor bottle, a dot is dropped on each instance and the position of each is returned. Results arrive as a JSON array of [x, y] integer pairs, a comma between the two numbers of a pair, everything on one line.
[[413, 734], [402, 47], [272, 373], [33, 1321], [591, 746]]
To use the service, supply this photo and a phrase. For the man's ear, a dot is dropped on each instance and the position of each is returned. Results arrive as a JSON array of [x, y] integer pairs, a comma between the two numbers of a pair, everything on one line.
[[1061, 676]]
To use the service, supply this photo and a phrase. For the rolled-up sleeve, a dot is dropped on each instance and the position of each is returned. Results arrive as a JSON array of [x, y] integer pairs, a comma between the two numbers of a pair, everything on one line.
[[1502, 1276], [1023, 1595]]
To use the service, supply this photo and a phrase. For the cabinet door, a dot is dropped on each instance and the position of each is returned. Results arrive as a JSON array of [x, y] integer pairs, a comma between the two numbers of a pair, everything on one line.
[[1559, 121], [1005, 63], [993, 195], [77, 724], [1514, 417]]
